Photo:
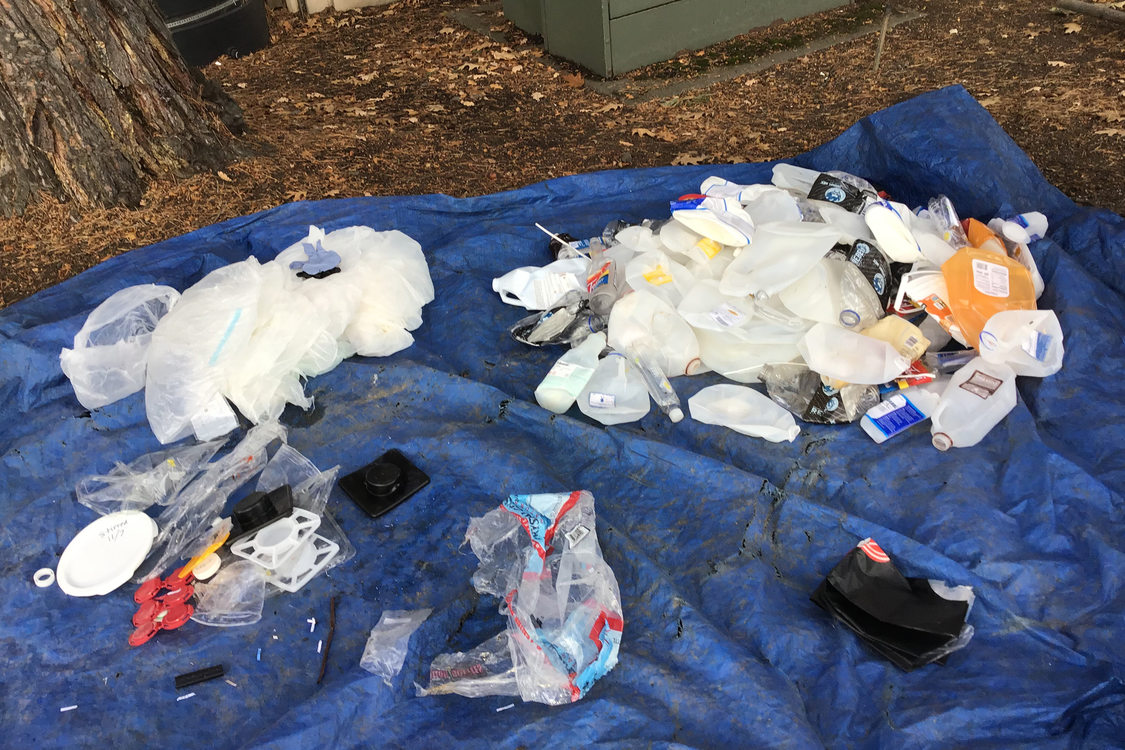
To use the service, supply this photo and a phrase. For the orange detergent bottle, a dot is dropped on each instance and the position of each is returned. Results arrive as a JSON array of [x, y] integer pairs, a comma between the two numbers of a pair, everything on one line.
[[983, 282]]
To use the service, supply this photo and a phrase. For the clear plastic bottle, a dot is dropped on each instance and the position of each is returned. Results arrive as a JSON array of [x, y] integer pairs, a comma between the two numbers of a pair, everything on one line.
[[659, 388], [570, 374], [978, 396], [603, 284], [803, 392], [616, 393]]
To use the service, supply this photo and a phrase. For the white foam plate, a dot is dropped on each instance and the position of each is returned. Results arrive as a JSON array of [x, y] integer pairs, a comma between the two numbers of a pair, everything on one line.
[[106, 553]]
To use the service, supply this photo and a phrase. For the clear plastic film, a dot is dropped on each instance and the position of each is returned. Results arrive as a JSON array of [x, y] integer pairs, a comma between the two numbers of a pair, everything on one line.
[[153, 478], [540, 555], [388, 641]]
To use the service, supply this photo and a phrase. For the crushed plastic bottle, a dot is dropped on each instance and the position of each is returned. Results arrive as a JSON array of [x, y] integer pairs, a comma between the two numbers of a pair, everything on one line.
[[804, 393], [659, 388], [981, 283]]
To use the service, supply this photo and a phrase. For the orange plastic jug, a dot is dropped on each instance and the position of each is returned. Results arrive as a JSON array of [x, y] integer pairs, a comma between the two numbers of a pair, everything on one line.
[[982, 283]]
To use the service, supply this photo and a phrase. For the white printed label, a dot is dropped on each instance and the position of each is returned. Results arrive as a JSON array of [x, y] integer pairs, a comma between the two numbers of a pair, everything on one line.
[[603, 400], [576, 535], [550, 288], [562, 370], [727, 316], [990, 278], [886, 407]]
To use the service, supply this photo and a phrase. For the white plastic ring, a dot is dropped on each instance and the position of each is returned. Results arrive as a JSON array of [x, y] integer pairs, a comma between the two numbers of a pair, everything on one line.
[[44, 577]]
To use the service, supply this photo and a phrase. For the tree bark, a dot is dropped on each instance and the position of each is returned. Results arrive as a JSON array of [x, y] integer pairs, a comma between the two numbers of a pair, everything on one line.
[[94, 101]]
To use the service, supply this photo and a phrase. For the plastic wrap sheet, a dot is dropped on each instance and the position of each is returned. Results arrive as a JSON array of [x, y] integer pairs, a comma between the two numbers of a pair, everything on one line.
[[716, 539]]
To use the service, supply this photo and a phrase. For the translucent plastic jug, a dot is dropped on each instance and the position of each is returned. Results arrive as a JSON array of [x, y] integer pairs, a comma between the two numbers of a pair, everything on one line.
[[834, 291], [570, 374], [978, 396], [655, 272], [641, 321], [1028, 341], [538, 288], [743, 410], [982, 283], [850, 357], [615, 393], [782, 252], [742, 360], [904, 336]]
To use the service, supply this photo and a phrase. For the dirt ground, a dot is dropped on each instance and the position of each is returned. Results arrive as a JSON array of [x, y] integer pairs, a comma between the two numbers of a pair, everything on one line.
[[425, 96]]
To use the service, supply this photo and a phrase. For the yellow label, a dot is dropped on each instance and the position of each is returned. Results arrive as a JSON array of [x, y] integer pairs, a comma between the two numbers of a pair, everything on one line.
[[658, 276], [709, 247]]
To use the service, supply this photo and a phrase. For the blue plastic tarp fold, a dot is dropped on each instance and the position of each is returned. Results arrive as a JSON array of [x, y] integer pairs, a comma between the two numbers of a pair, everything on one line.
[[716, 539]]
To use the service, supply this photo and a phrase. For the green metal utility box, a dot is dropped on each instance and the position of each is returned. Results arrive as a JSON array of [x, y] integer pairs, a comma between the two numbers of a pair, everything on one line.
[[610, 37]]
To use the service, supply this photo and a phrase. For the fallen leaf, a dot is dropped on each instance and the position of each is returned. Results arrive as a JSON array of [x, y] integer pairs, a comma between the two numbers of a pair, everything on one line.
[[503, 55], [1058, 64], [469, 66], [435, 108], [625, 143], [609, 107], [688, 158], [517, 68], [296, 195], [537, 96], [223, 177], [242, 85], [1111, 115], [1110, 131], [447, 30], [643, 132], [468, 103], [575, 81], [1071, 28]]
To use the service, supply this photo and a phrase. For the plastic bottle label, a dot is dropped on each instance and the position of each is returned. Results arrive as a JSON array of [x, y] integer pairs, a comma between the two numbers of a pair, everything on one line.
[[990, 278], [658, 276], [603, 400], [981, 384], [599, 277], [564, 370], [709, 247], [726, 316], [894, 415], [1037, 345], [833, 190], [550, 288]]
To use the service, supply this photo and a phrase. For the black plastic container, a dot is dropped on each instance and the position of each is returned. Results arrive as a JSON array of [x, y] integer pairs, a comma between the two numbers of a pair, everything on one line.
[[205, 30]]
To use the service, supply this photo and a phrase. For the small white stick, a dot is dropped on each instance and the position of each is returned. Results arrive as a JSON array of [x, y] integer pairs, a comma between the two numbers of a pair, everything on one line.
[[319, 644], [312, 624], [232, 684], [185, 697], [64, 709], [505, 708], [560, 239]]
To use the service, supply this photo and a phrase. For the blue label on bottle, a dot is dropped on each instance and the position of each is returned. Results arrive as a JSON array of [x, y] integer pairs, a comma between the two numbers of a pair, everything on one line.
[[894, 415]]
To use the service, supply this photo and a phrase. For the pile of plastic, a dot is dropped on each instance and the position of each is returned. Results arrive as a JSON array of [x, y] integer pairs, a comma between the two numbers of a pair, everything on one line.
[[818, 286], [249, 334]]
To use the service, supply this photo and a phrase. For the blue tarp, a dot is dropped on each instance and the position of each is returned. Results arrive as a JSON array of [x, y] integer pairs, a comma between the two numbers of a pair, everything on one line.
[[716, 539]]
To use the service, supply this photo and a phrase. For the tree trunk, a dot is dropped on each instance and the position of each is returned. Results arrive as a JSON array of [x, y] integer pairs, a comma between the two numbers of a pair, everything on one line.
[[94, 101]]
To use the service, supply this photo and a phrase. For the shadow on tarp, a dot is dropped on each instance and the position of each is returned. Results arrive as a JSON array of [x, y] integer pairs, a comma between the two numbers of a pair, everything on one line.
[[716, 539]]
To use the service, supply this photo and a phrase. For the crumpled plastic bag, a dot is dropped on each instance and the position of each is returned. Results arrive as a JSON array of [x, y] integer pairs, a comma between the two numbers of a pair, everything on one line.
[[153, 478], [110, 351], [386, 645], [539, 554], [250, 333]]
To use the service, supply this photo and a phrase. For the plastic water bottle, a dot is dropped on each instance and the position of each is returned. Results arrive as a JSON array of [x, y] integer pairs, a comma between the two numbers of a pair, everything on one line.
[[603, 284], [570, 374], [615, 393], [658, 386], [977, 397]]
